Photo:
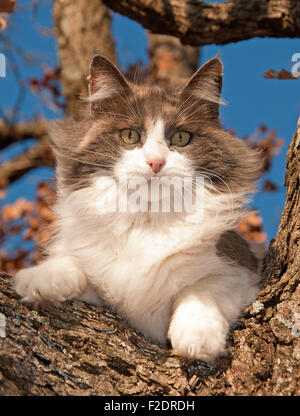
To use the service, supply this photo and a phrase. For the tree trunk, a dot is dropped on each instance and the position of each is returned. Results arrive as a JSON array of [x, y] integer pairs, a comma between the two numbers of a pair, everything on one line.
[[76, 349], [82, 29]]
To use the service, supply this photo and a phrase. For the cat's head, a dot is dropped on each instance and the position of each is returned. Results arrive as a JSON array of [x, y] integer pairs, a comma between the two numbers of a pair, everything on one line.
[[148, 131]]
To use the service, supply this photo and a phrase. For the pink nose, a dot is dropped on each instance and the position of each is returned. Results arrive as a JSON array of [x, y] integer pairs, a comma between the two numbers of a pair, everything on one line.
[[156, 164]]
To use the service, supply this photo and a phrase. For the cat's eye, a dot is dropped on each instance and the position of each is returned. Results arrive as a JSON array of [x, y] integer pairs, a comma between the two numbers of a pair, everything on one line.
[[130, 136], [180, 138]]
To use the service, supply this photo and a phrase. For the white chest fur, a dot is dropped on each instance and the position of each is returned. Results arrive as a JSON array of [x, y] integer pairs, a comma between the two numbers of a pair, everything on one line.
[[138, 263]]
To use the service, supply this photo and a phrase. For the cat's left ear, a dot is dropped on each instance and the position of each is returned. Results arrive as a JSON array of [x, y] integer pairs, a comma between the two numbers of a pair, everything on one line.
[[105, 81], [206, 83]]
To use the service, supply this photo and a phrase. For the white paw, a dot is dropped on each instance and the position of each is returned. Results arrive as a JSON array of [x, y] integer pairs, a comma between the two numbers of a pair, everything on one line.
[[198, 338], [54, 279]]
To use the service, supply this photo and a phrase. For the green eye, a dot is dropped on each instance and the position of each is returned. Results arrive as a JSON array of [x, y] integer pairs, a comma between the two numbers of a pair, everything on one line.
[[180, 138], [130, 136]]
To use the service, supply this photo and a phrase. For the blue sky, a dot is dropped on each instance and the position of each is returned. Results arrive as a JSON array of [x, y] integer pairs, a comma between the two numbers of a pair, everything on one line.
[[252, 100]]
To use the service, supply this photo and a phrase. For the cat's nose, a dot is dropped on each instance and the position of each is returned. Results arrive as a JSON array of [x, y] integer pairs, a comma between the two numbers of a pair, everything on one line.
[[156, 164]]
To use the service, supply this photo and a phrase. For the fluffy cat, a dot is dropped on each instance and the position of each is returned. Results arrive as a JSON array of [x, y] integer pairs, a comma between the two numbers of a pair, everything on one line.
[[174, 276]]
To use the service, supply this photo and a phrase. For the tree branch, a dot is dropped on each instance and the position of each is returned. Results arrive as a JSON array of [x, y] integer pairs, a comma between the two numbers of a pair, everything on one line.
[[198, 23], [7, 6], [38, 155], [75, 349], [10, 133]]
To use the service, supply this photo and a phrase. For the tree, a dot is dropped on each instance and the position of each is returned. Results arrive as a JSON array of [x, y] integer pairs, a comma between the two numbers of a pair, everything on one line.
[[199, 23], [74, 348]]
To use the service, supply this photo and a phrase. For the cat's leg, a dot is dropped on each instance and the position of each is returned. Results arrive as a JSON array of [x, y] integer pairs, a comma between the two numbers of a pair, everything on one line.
[[91, 296], [57, 278], [202, 315]]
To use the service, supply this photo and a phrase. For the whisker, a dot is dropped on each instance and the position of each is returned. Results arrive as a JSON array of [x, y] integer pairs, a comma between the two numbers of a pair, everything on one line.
[[115, 114], [137, 72], [134, 80], [85, 161], [182, 104], [187, 108], [93, 152], [127, 102], [195, 121], [212, 173], [215, 175]]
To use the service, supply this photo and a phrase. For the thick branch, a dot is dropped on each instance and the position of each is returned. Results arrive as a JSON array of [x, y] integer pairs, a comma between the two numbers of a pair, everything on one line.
[[21, 131], [284, 253], [36, 156], [198, 23], [75, 349]]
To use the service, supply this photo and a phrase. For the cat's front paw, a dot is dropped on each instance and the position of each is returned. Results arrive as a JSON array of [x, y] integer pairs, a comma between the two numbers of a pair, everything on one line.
[[54, 279], [201, 339]]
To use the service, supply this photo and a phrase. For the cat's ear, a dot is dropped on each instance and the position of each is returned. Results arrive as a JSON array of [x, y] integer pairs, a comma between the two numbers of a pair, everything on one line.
[[206, 83], [105, 81]]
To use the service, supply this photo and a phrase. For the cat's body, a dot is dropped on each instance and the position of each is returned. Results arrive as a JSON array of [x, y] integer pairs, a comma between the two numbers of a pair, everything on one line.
[[173, 275]]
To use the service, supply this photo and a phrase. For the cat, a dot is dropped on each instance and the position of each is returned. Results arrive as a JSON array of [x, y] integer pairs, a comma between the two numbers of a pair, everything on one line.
[[178, 277]]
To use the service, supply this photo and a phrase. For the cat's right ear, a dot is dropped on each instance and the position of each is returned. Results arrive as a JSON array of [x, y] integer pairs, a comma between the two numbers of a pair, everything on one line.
[[105, 81]]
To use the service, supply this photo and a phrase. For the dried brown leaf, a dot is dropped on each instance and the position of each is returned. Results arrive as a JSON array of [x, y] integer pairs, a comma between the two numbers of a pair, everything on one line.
[[283, 74]]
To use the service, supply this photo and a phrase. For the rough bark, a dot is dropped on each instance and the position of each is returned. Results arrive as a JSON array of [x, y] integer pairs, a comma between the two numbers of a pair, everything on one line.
[[198, 23], [76, 349], [82, 29]]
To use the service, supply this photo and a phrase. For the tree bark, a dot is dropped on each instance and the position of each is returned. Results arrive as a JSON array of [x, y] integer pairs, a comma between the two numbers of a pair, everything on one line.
[[199, 23], [76, 349], [10, 133], [38, 155], [82, 29]]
